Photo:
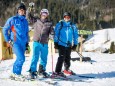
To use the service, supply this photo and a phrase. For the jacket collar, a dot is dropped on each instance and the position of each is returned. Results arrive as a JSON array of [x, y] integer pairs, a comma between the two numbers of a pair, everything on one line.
[[66, 23], [43, 21], [21, 16]]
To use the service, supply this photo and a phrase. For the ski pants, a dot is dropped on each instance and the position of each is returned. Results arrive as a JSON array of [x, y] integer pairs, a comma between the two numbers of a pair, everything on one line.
[[39, 50], [19, 50], [64, 57]]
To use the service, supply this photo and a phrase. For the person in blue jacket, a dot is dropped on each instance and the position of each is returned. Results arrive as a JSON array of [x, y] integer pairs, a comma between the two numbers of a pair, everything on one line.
[[15, 32], [65, 40]]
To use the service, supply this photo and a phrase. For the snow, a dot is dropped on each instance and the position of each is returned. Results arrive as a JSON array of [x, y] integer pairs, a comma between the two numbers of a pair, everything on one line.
[[102, 67], [100, 40]]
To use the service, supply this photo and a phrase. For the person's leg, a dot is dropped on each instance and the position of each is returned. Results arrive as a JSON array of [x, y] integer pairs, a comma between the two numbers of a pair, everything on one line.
[[43, 61], [67, 59], [35, 57], [44, 54], [19, 50], [60, 59]]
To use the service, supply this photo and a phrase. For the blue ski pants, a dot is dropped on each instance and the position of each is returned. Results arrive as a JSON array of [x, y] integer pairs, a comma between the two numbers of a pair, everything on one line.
[[19, 50], [40, 50]]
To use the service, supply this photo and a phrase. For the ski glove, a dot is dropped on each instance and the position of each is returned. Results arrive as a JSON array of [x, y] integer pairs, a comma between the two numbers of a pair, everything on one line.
[[27, 45], [74, 47], [56, 46], [9, 44]]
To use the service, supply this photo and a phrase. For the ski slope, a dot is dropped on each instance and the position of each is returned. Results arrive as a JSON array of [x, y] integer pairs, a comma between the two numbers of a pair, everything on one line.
[[100, 41], [102, 68]]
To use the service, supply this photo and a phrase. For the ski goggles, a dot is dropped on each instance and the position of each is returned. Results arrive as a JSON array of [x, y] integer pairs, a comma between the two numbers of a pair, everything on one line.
[[44, 14]]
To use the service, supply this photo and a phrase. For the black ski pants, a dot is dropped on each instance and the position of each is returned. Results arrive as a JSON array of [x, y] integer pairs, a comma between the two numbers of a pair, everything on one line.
[[64, 57]]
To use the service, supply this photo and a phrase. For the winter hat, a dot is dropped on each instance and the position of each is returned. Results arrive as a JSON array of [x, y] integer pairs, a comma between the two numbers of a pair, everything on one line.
[[66, 14], [21, 6], [44, 12]]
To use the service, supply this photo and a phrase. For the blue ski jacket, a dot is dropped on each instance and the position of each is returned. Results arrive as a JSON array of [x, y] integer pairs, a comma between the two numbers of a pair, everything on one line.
[[16, 29], [66, 34]]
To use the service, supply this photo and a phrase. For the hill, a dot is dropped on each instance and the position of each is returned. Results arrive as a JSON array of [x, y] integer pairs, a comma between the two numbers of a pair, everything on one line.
[[87, 13]]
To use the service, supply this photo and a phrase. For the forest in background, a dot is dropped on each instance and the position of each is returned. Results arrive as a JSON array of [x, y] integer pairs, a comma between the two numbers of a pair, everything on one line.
[[86, 13]]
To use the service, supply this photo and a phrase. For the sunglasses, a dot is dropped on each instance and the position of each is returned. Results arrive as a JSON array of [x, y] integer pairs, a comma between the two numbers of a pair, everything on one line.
[[67, 17], [44, 13]]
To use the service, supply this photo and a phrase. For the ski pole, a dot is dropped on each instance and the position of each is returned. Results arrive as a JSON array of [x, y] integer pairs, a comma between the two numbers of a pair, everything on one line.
[[81, 57], [52, 55], [79, 54]]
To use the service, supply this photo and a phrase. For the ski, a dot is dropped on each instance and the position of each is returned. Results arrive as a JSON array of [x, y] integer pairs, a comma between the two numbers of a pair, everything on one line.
[[48, 81], [67, 79], [26, 79], [54, 80], [51, 83], [74, 74], [83, 76]]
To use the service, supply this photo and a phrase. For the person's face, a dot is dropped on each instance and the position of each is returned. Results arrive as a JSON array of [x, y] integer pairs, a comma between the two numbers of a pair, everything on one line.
[[44, 15], [67, 18], [21, 12]]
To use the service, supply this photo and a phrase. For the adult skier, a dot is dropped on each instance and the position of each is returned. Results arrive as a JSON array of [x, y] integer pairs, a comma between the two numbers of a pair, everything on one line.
[[42, 29], [15, 32], [65, 40]]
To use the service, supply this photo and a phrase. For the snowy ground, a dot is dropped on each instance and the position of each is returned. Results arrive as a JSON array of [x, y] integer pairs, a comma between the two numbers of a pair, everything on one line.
[[103, 68]]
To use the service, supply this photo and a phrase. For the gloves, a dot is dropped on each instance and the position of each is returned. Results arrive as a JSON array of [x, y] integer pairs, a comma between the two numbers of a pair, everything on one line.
[[27, 45], [56, 46], [28, 48], [74, 47]]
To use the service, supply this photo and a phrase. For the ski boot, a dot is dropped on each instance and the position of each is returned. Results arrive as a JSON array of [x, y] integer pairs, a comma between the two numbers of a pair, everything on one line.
[[32, 75], [69, 72], [58, 75], [17, 77], [42, 73]]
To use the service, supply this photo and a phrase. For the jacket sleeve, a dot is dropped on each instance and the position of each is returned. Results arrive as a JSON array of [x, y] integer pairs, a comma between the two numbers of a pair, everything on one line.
[[51, 32], [75, 35], [56, 32], [30, 17], [7, 29]]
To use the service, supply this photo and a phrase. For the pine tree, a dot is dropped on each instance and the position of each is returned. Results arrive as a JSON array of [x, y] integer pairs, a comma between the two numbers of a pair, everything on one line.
[[83, 11]]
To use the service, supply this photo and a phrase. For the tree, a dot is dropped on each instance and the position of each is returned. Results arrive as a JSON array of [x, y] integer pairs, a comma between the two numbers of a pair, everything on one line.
[[82, 11]]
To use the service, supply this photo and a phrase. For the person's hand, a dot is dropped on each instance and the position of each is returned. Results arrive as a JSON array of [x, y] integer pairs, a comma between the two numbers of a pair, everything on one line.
[[27, 44], [9, 44], [74, 47], [56, 46]]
